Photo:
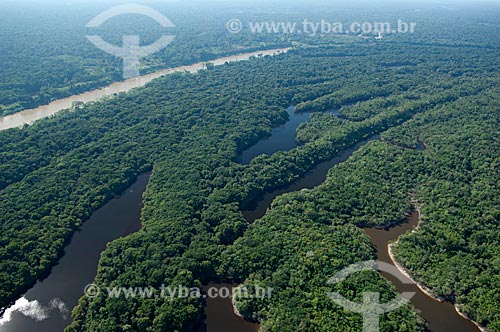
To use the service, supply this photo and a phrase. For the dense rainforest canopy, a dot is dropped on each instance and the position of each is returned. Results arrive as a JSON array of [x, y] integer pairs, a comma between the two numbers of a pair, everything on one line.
[[190, 128]]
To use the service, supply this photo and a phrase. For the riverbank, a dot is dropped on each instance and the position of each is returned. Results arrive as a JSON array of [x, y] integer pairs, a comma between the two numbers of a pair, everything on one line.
[[424, 289], [221, 314], [29, 116], [235, 309], [46, 305]]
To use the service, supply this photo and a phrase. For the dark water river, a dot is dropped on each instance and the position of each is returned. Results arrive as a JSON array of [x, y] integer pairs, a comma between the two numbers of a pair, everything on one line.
[[257, 209], [282, 138], [47, 305], [441, 316], [220, 316]]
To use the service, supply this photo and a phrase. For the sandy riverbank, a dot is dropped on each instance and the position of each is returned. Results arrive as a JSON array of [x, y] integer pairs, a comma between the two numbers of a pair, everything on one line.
[[424, 289]]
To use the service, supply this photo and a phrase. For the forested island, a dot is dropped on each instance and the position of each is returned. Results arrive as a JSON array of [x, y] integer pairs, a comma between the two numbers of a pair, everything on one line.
[[432, 90]]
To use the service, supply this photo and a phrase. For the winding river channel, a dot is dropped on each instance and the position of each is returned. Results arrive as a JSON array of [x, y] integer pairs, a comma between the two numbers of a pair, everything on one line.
[[46, 306], [440, 316]]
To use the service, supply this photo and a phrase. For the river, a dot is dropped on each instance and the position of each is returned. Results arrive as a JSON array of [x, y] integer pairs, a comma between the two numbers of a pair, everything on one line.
[[48, 304], [440, 316], [220, 316], [281, 138], [219, 313], [51, 299], [29, 116]]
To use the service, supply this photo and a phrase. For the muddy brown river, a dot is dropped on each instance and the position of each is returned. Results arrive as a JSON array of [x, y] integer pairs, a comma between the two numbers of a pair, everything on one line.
[[31, 115]]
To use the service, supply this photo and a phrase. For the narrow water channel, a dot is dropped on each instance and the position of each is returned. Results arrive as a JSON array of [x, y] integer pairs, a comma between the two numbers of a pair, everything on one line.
[[440, 316], [257, 209], [47, 306], [282, 138]]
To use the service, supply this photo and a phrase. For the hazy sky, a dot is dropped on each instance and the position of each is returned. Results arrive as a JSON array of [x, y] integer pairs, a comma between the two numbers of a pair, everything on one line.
[[271, 2]]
